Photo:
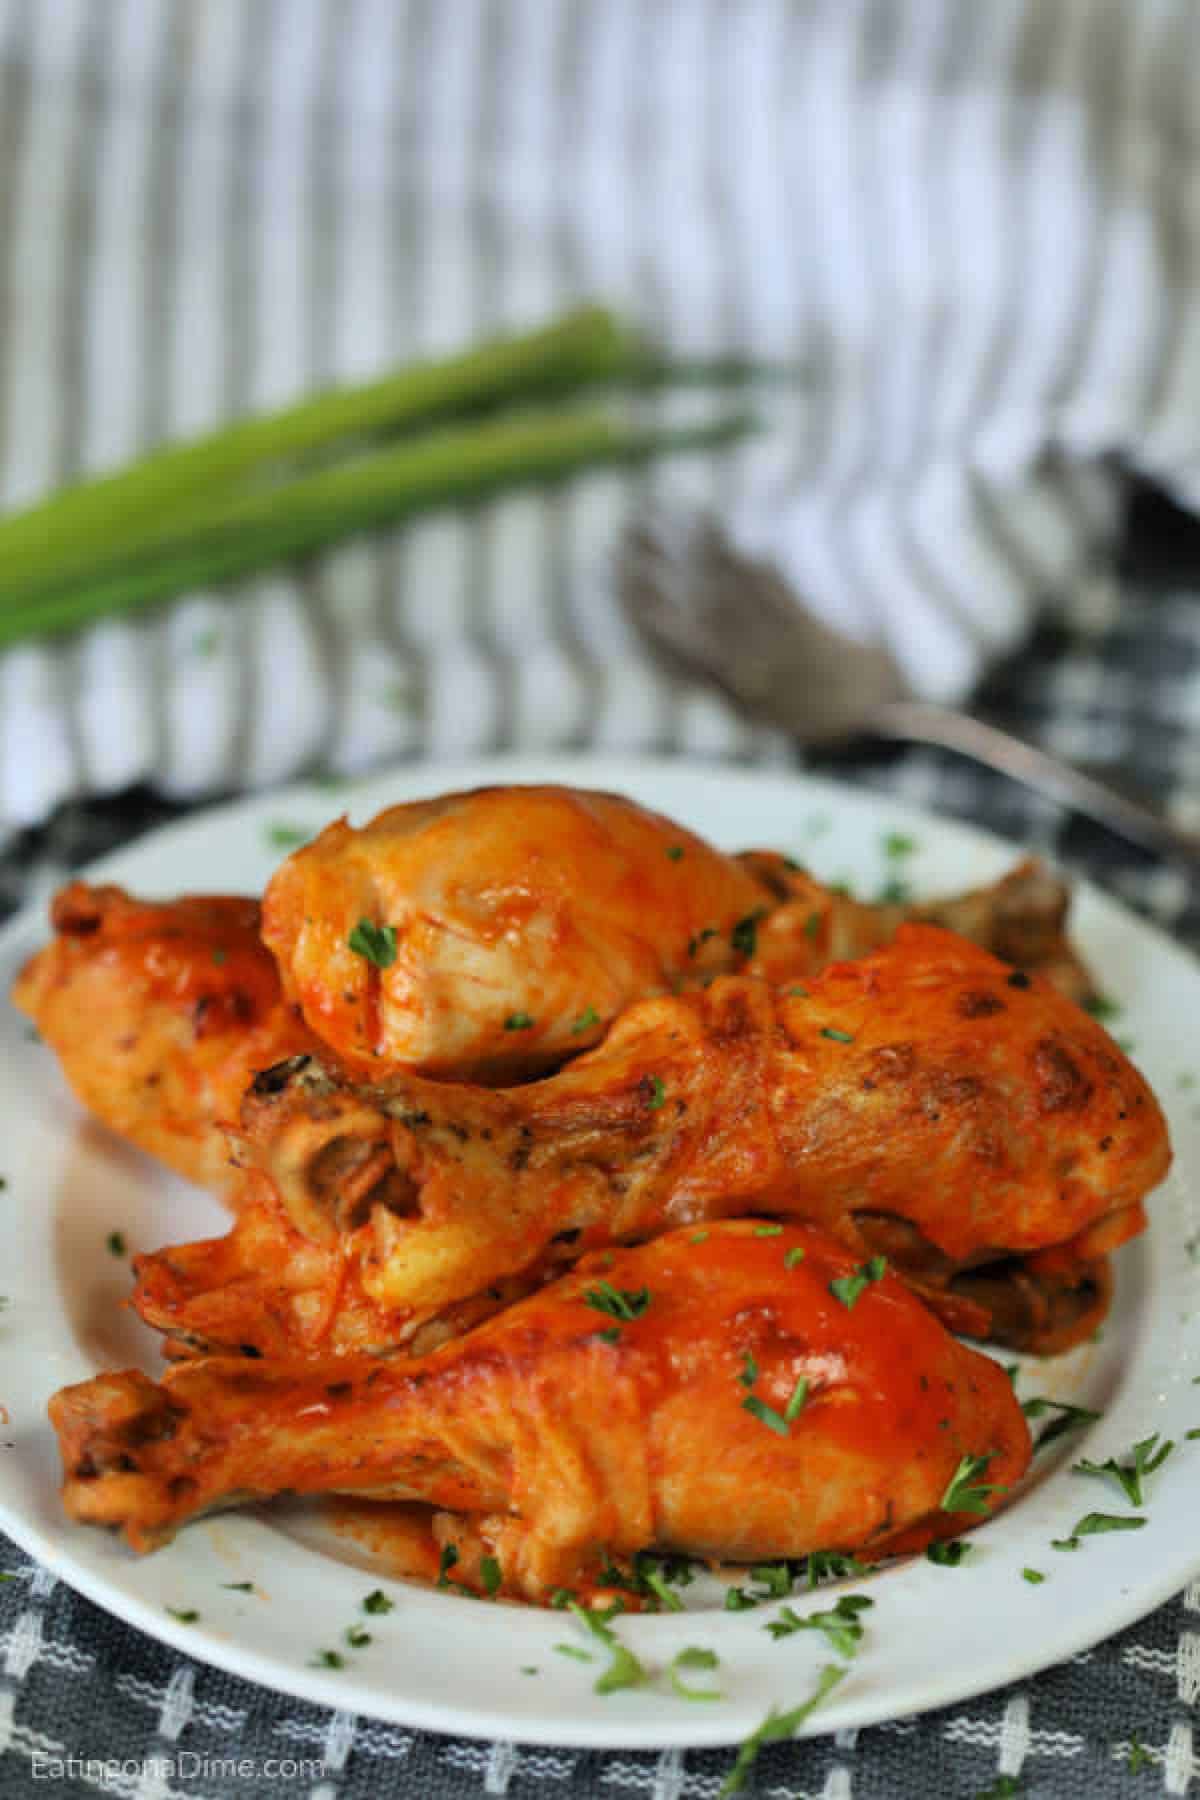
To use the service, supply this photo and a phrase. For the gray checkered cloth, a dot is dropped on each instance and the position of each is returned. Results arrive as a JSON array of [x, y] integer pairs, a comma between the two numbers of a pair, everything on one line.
[[1107, 685]]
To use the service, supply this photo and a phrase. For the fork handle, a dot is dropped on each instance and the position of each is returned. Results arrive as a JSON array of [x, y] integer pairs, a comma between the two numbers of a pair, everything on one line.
[[915, 721]]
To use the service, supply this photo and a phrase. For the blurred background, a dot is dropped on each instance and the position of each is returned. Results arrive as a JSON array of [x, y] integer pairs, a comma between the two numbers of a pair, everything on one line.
[[951, 249]]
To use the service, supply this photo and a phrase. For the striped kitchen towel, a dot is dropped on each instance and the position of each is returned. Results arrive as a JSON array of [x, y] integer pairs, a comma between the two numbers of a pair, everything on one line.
[[973, 227]]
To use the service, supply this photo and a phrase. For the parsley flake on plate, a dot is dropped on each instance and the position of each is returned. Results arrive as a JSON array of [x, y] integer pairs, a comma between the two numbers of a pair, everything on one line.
[[947, 1553], [841, 1624], [357, 1636], [1070, 1417], [776, 1727], [519, 1021], [838, 1037], [1149, 1454], [964, 1492], [694, 1657], [1093, 1524], [377, 1602], [116, 1243], [624, 1670], [587, 1018], [654, 1090], [285, 836]]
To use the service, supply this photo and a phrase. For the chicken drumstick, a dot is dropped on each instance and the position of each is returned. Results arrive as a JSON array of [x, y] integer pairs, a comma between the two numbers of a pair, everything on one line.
[[741, 1392]]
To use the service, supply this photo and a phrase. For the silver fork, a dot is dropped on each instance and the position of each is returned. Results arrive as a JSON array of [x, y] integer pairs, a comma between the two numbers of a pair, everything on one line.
[[710, 612]]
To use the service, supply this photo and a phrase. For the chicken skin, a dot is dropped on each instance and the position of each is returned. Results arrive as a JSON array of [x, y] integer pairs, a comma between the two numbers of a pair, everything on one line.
[[516, 923], [161, 1012], [925, 1102], [160, 1015], [733, 1393]]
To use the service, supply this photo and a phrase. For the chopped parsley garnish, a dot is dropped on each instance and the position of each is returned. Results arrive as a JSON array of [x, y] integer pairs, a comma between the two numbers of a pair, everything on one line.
[[776, 1727], [1070, 1418], [618, 1303], [282, 836], [766, 1415], [1148, 1454], [610, 1334], [749, 1374], [491, 1574], [894, 892], [838, 1037], [701, 937], [377, 1602], [239, 1587], [744, 936], [624, 1670], [1102, 1006], [530, 1669], [675, 852], [587, 1018], [1034, 1577], [830, 1565], [519, 1021], [357, 1636], [796, 1402], [1139, 1756], [655, 1092], [898, 844], [327, 1659], [116, 1243], [1005, 1787], [1092, 1524], [795, 1255], [698, 1237], [575, 1651], [657, 1583], [375, 943], [1194, 1433], [947, 1553], [812, 925], [187, 1615], [767, 1230], [964, 1492], [847, 1288], [841, 1624], [694, 1658], [446, 1562]]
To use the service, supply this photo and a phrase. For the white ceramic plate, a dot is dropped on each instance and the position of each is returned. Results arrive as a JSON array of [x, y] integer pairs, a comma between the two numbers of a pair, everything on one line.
[[935, 1634]]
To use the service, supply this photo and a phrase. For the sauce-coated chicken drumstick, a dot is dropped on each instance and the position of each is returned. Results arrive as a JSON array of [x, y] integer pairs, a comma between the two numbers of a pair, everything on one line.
[[160, 1012], [737, 1393], [925, 1102]]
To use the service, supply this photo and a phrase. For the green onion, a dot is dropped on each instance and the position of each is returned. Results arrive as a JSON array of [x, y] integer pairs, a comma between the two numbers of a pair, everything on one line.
[[242, 534], [62, 539]]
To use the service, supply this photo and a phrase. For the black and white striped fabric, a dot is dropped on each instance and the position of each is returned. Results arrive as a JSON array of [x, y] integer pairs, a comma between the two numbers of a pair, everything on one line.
[[973, 229]]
